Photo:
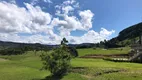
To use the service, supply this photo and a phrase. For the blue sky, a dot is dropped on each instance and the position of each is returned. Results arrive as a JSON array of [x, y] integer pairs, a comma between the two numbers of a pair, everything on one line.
[[115, 14], [82, 21]]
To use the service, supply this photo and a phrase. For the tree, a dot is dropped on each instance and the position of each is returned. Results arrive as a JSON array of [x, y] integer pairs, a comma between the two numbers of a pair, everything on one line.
[[58, 60], [64, 42]]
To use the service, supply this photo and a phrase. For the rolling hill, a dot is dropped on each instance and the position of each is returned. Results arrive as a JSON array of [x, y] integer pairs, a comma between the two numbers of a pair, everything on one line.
[[127, 36]]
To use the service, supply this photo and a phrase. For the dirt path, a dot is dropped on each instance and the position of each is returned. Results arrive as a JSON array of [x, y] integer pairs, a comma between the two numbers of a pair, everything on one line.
[[1, 60]]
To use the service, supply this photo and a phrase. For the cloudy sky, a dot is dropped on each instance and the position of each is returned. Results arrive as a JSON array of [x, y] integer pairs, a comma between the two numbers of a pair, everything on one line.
[[80, 21]]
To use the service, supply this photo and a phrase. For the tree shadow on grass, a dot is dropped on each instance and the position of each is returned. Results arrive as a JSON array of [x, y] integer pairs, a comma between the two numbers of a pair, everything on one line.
[[73, 70], [52, 77], [78, 69]]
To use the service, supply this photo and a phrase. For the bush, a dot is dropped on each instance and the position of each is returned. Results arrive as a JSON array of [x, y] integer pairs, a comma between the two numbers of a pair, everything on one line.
[[11, 52], [58, 61], [73, 51]]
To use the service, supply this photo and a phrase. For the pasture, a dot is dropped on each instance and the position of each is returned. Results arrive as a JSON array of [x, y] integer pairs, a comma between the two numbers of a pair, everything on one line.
[[27, 67]]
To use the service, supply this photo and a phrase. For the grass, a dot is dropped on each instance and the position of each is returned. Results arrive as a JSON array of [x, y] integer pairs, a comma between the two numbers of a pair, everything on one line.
[[21, 67], [27, 67], [87, 51]]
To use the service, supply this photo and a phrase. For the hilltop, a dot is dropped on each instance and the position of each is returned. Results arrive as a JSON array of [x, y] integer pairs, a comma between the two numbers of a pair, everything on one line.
[[126, 37]]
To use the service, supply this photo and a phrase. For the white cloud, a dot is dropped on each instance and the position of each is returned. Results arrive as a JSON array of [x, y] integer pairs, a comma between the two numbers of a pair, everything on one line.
[[10, 18], [12, 1], [71, 22], [34, 21], [9, 37], [86, 18], [105, 32], [91, 36], [39, 17], [68, 2], [67, 9], [48, 1], [9, 1], [14, 19], [34, 2]]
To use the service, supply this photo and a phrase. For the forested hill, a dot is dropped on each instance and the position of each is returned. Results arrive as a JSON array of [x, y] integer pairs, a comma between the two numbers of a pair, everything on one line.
[[131, 32], [127, 36]]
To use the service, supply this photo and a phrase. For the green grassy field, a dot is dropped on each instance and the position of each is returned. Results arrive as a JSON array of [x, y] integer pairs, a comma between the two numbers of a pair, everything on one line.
[[83, 52], [27, 67]]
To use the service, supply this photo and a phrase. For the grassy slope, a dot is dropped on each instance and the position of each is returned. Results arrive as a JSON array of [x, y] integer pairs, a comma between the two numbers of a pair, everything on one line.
[[26, 67], [23, 67]]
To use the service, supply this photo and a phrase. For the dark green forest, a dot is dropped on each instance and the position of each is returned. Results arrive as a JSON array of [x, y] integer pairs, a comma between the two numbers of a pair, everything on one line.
[[126, 37]]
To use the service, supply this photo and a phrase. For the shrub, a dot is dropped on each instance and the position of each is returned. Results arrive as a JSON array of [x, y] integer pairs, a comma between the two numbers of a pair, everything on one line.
[[57, 61], [73, 51], [11, 52]]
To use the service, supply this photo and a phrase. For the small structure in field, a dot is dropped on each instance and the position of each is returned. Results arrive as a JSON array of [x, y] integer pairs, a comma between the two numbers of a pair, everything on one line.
[[137, 51]]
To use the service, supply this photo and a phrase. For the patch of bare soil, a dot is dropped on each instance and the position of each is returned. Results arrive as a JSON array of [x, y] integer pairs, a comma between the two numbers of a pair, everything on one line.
[[1, 60]]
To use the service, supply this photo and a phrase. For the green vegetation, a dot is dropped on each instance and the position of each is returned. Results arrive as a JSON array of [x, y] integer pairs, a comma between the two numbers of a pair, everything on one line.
[[127, 36], [21, 67], [88, 51], [58, 60], [27, 67]]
